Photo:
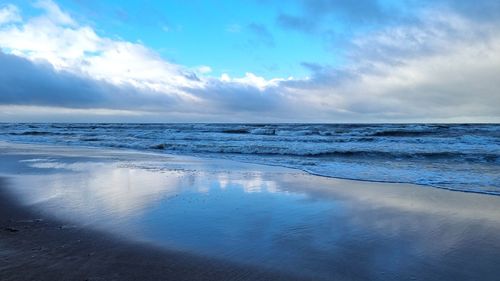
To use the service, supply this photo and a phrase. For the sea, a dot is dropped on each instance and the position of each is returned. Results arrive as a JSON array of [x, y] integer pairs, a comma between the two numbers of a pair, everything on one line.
[[461, 157]]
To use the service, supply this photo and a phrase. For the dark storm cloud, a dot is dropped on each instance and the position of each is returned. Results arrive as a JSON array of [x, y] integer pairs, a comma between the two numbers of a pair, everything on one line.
[[23, 82], [236, 97]]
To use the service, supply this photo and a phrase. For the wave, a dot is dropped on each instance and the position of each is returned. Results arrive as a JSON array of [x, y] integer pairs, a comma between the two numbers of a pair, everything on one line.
[[236, 131], [91, 139], [454, 156], [402, 133], [40, 133], [286, 151]]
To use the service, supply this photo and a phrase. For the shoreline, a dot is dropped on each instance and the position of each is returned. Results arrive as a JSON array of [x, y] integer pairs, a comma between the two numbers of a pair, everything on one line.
[[264, 222], [155, 152]]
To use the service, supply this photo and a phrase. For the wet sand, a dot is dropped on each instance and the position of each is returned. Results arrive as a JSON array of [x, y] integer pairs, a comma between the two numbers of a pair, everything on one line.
[[34, 247], [92, 214]]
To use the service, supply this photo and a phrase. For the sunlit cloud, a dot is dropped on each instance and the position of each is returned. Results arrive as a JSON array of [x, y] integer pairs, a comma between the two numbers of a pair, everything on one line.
[[9, 14], [438, 66]]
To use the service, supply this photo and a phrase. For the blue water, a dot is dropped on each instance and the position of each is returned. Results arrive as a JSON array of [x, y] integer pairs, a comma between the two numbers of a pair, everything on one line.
[[463, 157]]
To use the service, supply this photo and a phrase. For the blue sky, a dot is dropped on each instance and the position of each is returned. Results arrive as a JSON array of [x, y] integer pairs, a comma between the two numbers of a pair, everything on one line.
[[250, 61], [231, 37]]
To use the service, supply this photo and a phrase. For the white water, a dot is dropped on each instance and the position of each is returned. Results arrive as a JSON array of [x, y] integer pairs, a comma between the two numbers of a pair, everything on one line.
[[458, 157]]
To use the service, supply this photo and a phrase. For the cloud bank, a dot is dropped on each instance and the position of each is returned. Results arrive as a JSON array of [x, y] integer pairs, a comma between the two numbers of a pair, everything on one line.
[[442, 65]]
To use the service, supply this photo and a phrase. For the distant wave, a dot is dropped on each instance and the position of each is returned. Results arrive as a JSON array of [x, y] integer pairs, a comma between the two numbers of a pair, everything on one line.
[[402, 133], [284, 151], [39, 133]]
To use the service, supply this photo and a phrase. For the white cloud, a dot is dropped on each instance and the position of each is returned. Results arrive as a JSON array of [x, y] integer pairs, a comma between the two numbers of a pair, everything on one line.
[[78, 49], [204, 69], [225, 77], [9, 14], [441, 67], [54, 13], [253, 80]]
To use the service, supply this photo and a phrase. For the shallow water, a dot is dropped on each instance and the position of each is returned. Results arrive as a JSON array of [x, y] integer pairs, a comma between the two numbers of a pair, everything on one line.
[[454, 156], [271, 217]]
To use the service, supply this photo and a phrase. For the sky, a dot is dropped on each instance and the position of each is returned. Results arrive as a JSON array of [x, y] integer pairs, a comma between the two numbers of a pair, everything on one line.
[[331, 61]]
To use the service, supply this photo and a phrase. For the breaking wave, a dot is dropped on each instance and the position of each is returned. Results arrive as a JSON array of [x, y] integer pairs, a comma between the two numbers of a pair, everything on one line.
[[462, 157]]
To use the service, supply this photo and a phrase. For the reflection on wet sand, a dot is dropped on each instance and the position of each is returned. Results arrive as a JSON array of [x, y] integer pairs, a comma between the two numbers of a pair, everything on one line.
[[272, 217]]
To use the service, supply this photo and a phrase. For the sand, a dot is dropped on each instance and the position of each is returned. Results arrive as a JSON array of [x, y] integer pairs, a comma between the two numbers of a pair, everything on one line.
[[33, 247], [95, 214]]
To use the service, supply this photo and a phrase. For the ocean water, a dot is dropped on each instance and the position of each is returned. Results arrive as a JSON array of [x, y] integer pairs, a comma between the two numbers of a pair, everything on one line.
[[464, 157]]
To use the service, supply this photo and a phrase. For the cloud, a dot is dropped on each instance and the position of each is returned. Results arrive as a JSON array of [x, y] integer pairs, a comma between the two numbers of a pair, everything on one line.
[[480, 10], [9, 14], [78, 49], [76, 68], [323, 15], [362, 10], [441, 69], [54, 12], [314, 13], [204, 69], [441, 66], [263, 35], [296, 22], [235, 97], [23, 82]]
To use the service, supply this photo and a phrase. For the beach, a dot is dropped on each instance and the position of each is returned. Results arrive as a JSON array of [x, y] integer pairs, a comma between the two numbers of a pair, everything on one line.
[[71, 213], [318, 140]]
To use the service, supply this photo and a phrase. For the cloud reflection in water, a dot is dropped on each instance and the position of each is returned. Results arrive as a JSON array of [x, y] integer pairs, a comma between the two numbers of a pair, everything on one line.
[[277, 218]]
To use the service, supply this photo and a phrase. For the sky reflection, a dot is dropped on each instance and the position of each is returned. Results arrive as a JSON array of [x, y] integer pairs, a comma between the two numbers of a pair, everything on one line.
[[277, 218]]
